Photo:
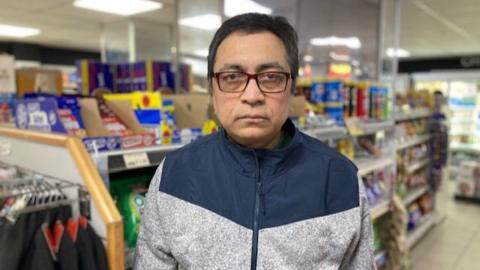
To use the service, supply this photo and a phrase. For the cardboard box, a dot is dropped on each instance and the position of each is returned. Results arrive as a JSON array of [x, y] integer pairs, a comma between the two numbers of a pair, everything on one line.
[[191, 110], [123, 110], [94, 76], [297, 106], [7, 74], [35, 80]]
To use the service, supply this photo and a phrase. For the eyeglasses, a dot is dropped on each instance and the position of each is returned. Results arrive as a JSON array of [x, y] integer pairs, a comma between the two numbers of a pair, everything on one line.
[[237, 81]]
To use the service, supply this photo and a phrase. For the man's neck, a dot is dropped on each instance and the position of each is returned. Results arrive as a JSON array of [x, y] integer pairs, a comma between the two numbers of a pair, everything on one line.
[[272, 143]]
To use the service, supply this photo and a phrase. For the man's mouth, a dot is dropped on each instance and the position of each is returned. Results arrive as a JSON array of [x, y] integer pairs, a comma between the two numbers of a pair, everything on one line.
[[253, 118]]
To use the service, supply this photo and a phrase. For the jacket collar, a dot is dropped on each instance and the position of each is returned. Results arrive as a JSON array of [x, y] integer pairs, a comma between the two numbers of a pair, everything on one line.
[[271, 161]]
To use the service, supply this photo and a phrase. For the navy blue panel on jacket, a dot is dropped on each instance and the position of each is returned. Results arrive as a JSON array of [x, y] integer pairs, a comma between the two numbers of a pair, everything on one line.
[[304, 180]]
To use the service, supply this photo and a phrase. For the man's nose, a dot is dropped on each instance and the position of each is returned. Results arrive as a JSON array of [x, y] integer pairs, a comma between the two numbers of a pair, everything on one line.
[[252, 94]]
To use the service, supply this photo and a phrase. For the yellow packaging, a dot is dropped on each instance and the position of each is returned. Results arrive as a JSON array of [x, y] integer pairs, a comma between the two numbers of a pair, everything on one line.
[[139, 100], [209, 127], [166, 133]]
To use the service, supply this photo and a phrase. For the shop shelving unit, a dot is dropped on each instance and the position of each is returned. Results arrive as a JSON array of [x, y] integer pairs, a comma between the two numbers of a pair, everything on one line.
[[429, 220]]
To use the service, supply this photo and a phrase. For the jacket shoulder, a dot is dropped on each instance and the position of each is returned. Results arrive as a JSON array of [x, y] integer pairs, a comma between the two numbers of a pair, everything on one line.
[[321, 149]]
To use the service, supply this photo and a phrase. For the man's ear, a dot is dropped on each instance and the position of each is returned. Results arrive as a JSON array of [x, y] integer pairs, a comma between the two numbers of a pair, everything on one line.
[[212, 98]]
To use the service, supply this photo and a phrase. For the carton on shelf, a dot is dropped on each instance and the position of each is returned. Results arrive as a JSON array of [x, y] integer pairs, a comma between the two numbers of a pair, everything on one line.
[[35, 80], [7, 74], [298, 105], [191, 110], [122, 109], [94, 76]]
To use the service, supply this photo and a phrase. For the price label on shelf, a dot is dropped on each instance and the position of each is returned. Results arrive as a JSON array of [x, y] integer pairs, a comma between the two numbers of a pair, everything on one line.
[[136, 160]]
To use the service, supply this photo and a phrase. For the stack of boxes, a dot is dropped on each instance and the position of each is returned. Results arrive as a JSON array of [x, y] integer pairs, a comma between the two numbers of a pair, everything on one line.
[[125, 78]]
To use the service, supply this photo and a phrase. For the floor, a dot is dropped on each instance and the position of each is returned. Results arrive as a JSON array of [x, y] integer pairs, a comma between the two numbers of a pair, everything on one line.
[[454, 243]]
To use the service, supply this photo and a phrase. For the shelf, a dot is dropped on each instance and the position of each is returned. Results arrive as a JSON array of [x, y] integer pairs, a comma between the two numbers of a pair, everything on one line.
[[465, 147], [426, 224], [149, 156], [380, 258], [379, 209], [366, 165], [414, 195], [413, 140], [416, 165], [325, 133], [374, 127], [413, 114], [470, 199]]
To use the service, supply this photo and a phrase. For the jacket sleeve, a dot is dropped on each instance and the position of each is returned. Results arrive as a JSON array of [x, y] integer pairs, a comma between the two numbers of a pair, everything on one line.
[[360, 255], [152, 251]]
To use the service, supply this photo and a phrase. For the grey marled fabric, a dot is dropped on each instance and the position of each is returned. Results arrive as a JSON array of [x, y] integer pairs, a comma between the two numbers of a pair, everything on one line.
[[176, 234]]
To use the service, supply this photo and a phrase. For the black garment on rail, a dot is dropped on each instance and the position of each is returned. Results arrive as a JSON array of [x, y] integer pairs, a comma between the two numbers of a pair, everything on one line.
[[24, 245]]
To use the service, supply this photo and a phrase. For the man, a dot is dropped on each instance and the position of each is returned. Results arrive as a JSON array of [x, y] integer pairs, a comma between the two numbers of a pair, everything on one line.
[[258, 194]]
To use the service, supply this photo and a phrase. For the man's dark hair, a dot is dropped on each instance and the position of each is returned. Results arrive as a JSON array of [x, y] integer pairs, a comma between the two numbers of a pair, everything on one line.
[[251, 23]]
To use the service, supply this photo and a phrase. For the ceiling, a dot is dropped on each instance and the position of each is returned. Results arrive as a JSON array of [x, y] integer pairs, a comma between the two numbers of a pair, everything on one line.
[[429, 27], [440, 27]]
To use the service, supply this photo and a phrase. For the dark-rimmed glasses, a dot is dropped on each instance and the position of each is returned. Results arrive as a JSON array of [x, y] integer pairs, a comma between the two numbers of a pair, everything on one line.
[[237, 81]]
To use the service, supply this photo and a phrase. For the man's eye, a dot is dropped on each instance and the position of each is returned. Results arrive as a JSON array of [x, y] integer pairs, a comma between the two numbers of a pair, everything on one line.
[[231, 77], [271, 77]]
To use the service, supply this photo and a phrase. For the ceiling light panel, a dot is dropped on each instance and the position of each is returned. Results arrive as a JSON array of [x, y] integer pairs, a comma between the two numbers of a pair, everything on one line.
[[119, 7]]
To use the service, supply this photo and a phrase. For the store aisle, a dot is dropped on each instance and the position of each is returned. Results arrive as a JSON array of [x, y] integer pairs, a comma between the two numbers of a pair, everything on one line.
[[453, 244]]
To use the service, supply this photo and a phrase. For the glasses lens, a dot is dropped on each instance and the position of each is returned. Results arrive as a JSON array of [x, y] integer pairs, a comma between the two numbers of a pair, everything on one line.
[[232, 81], [272, 81]]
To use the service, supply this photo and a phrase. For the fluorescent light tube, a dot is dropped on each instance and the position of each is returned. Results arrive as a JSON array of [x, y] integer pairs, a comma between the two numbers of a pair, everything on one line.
[[201, 52], [204, 22], [350, 42], [17, 31], [119, 7], [237, 7]]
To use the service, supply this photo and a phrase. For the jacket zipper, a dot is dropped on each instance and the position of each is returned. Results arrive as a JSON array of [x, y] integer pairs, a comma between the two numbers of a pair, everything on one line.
[[258, 189]]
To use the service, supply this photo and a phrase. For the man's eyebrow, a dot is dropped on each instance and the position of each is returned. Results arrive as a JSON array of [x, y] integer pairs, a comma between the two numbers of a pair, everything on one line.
[[235, 67], [271, 65]]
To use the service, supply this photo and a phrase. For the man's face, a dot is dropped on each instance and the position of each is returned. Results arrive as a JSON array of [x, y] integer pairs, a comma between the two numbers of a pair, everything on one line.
[[251, 118]]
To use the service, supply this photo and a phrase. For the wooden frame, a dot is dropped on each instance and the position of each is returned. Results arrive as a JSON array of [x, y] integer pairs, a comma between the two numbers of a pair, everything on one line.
[[93, 183]]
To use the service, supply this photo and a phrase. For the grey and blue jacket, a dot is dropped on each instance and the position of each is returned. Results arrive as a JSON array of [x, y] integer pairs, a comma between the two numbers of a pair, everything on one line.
[[216, 205]]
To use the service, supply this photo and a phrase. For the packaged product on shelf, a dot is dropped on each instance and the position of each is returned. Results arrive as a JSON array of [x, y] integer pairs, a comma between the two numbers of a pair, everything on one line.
[[415, 216], [209, 127], [377, 240], [186, 78], [376, 187], [38, 114], [7, 74], [151, 75], [134, 135], [123, 79], [110, 121], [352, 100], [362, 101], [129, 194], [7, 105], [368, 143], [417, 179], [346, 98], [426, 204], [333, 100], [468, 180], [94, 76], [346, 147], [317, 96]]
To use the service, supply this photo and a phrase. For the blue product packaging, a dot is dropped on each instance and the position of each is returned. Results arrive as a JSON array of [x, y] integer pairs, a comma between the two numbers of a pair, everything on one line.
[[39, 114], [102, 144], [317, 93]]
